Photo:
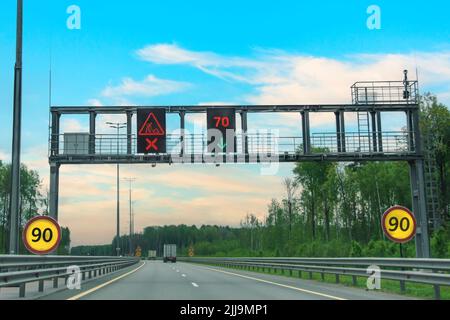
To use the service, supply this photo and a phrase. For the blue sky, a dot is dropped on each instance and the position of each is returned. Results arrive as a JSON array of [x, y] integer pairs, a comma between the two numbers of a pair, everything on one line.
[[193, 52]]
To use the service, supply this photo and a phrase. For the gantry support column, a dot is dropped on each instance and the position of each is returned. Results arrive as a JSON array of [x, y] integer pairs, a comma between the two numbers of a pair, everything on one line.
[[54, 190], [377, 132], [417, 174], [92, 132], [419, 208], [129, 133], [410, 126], [380, 132], [343, 136], [54, 167], [244, 127], [373, 116], [182, 133], [55, 134], [306, 130], [340, 131]]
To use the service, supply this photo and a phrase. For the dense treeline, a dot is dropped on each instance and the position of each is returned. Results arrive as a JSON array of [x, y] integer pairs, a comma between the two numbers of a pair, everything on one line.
[[32, 203], [312, 223], [329, 209], [435, 126]]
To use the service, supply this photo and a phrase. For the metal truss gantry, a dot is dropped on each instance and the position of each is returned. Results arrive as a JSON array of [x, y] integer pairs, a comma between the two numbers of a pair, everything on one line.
[[372, 98]]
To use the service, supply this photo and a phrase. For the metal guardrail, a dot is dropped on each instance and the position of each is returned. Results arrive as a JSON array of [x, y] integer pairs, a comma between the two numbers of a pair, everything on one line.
[[18, 271], [434, 272]]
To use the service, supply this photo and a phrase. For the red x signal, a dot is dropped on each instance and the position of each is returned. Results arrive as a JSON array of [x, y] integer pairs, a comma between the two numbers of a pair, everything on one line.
[[151, 144]]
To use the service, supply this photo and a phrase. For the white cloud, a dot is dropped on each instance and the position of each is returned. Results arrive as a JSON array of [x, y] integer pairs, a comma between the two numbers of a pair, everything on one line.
[[95, 103], [151, 86], [279, 77], [198, 120], [211, 63], [4, 156], [307, 80], [217, 103], [73, 125], [173, 54]]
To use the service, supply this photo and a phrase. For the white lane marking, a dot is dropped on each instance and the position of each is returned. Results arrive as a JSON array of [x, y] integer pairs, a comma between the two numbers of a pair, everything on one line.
[[195, 285], [277, 284], [183, 275], [178, 271], [81, 295]]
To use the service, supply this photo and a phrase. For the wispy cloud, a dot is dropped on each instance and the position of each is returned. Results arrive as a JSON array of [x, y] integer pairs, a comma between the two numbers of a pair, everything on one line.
[[151, 86], [95, 103], [4, 156], [73, 125], [280, 77], [224, 67]]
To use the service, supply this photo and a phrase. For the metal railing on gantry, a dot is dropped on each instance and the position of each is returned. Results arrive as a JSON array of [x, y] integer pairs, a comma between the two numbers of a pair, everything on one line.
[[393, 142]]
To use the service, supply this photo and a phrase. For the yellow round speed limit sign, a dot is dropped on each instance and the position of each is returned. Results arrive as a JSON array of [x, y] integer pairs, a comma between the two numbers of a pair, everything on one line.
[[399, 224], [42, 235]]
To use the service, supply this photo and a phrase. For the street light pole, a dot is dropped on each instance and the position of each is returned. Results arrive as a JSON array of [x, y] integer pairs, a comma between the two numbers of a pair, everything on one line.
[[118, 126], [131, 180], [14, 219]]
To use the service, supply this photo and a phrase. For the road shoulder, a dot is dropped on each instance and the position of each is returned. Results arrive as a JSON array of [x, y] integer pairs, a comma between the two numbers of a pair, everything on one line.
[[66, 294]]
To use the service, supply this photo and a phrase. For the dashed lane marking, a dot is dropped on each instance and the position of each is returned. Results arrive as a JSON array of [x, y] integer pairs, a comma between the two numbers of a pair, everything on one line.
[[277, 284]]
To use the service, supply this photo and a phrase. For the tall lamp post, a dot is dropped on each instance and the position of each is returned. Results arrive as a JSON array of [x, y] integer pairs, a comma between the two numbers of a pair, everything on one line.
[[14, 218], [131, 180], [118, 126]]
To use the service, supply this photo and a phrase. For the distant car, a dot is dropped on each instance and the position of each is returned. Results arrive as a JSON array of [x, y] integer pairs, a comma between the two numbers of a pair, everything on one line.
[[170, 253]]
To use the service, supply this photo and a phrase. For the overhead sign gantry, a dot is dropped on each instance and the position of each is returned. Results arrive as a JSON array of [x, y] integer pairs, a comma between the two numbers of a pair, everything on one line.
[[224, 143]]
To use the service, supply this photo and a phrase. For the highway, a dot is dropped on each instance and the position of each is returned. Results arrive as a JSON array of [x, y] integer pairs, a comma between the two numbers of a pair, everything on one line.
[[154, 280]]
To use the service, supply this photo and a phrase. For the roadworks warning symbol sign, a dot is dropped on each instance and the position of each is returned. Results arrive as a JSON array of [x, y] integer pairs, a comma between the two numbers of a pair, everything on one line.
[[151, 131], [151, 127]]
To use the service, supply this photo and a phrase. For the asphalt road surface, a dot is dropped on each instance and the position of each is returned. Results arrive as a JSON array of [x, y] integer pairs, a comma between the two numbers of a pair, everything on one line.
[[154, 280]]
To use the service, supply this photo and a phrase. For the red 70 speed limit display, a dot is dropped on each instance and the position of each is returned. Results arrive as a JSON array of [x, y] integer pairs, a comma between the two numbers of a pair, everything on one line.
[[151, 126], [220, 121]]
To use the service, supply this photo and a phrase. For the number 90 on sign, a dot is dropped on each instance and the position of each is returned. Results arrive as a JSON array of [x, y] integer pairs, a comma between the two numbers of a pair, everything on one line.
[[399, 224], [42, 235]]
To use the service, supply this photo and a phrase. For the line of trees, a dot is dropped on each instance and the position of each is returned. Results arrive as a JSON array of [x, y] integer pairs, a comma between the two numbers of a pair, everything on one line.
[[328, 210], [32, 203]]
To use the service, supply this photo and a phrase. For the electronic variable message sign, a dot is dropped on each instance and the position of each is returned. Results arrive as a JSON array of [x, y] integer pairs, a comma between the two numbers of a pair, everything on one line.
[[151, 126], [221, 130]]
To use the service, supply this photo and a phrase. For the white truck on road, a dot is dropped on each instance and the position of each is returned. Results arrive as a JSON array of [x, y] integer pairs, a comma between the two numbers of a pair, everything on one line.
[[170, 253], [152, 255]]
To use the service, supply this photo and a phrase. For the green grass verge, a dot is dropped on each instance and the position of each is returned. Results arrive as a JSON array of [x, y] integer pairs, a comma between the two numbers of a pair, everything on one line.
[[414, 290]]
